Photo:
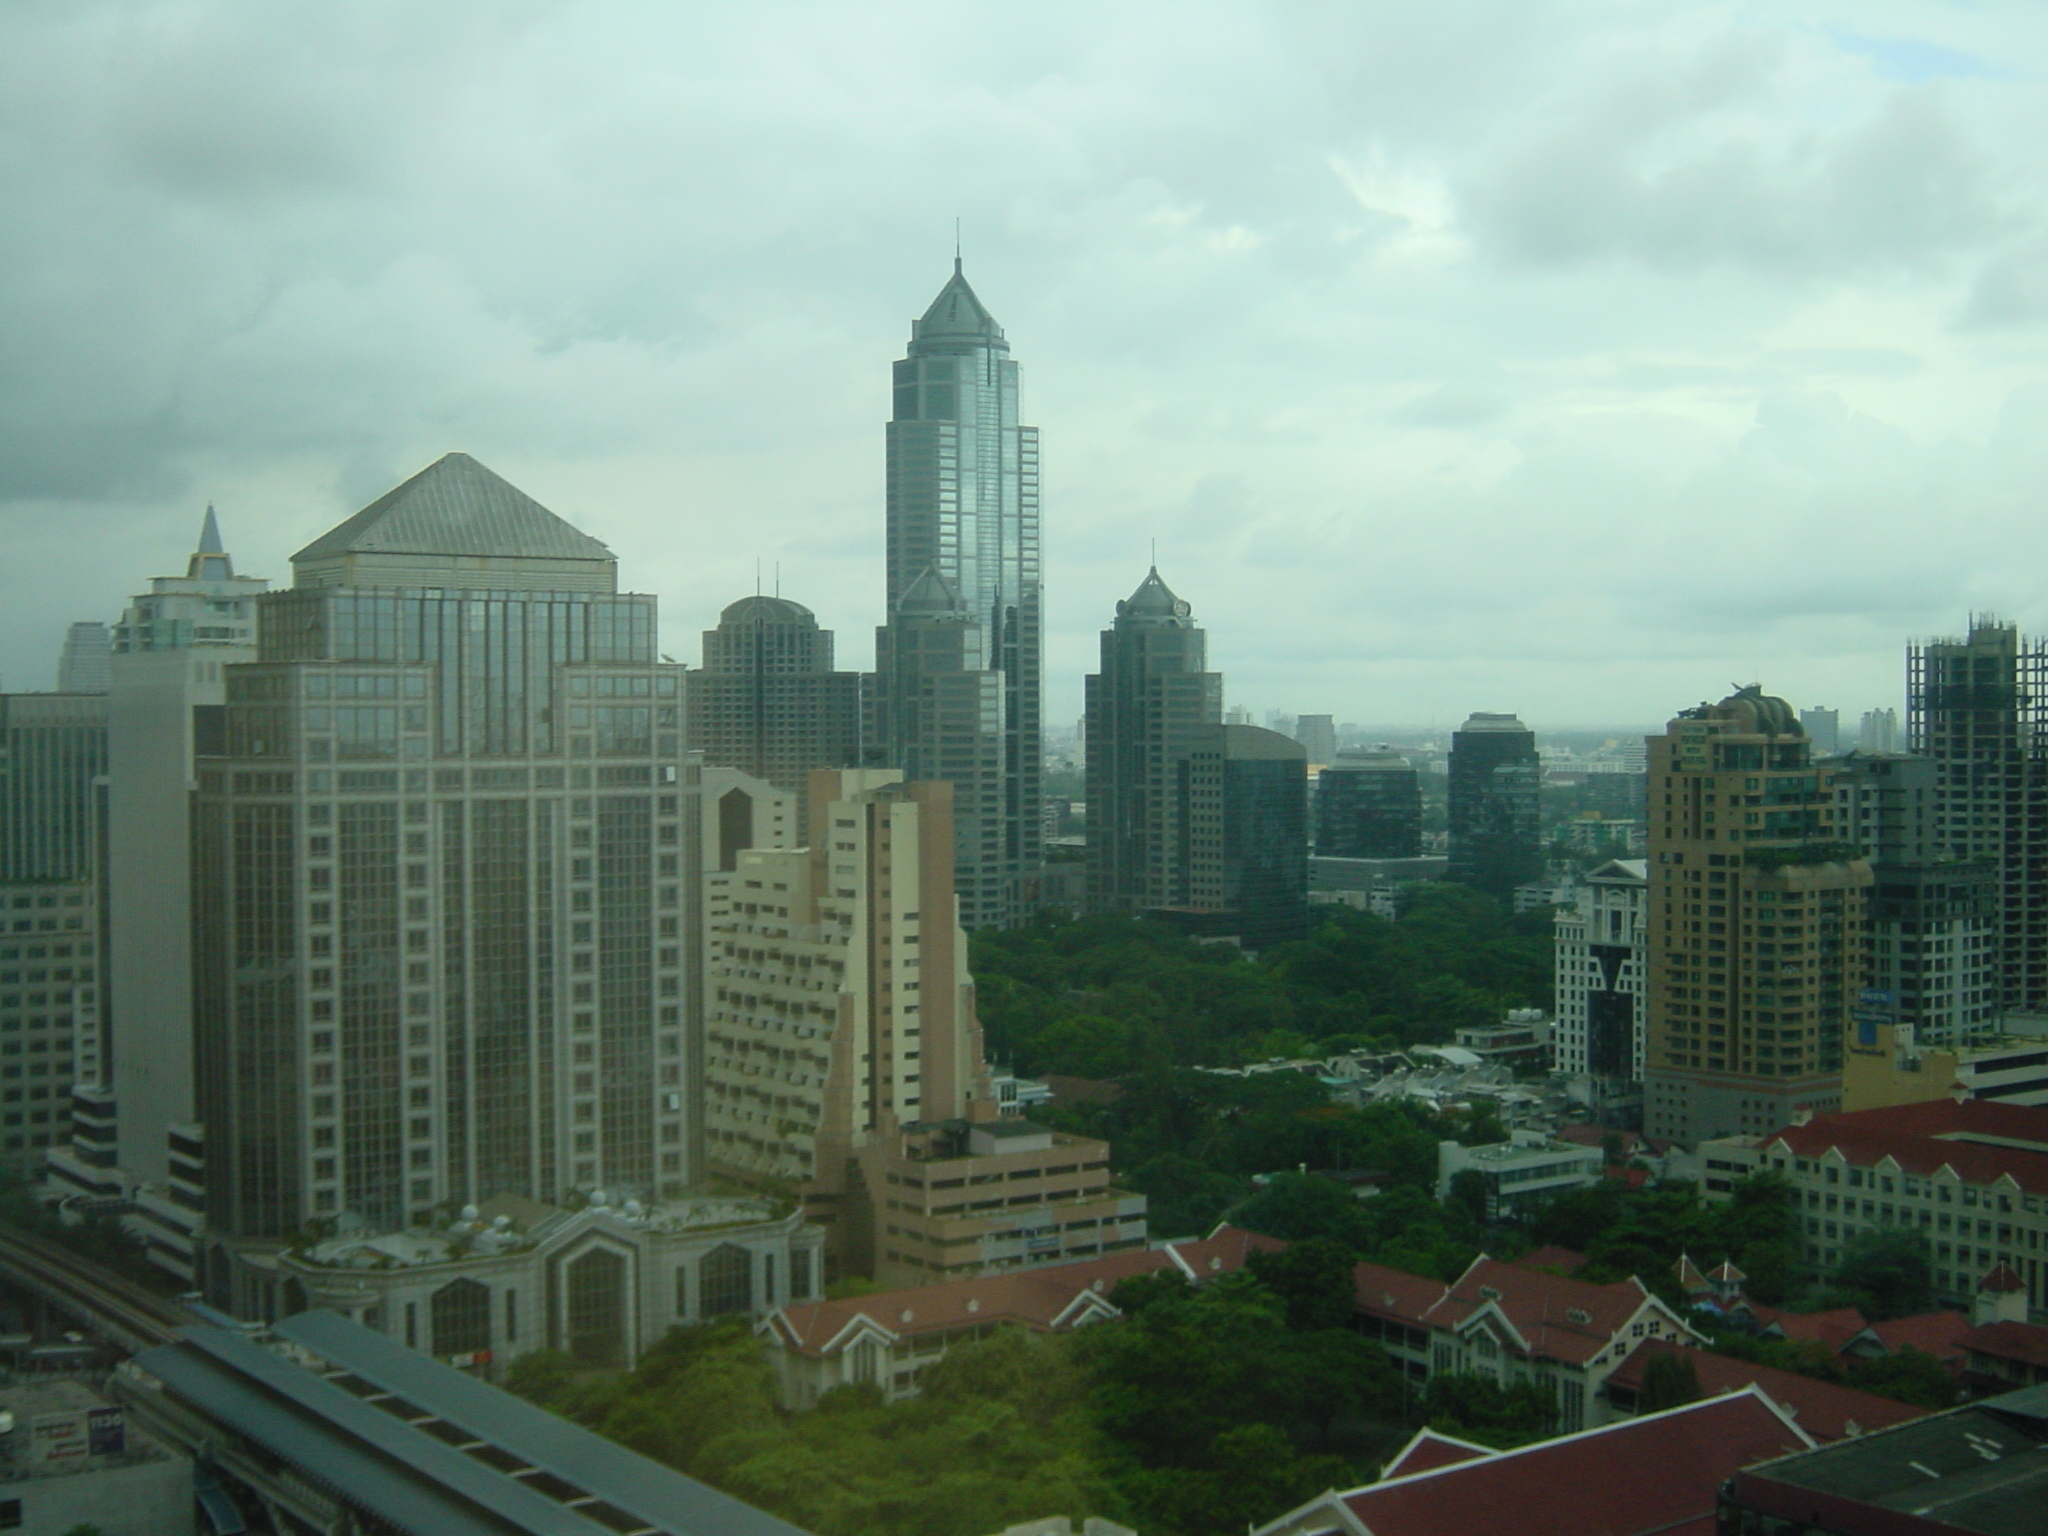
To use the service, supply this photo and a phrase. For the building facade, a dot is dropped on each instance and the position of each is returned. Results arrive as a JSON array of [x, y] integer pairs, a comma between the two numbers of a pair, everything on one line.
[[442, 861], [1369, 806], [1601, 945], [1153, 697], [963, 507], [1318, 737], [767, 700], [843, 1055], [1934, 963], [1971, 1175], [1244, 793], [1495, 813], [1756, 913], [1978, 706]]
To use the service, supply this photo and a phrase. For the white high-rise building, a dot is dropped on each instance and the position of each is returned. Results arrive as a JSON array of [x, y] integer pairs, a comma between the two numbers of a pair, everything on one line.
[[1602, 956]]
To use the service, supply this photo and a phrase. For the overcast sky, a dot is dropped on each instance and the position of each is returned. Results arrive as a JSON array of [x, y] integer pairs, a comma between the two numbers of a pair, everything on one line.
[[1570, 359]]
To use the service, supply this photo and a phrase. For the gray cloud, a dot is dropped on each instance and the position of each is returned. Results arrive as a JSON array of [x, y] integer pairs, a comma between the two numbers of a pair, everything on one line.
[[1531, 356]]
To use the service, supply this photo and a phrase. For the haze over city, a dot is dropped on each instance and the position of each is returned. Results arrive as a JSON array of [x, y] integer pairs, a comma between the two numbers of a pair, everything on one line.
[[1574, 360]]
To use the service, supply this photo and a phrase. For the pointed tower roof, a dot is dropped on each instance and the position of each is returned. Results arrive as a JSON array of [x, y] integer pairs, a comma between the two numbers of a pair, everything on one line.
[[210, 561], [455, 506], [956, 314], [931, 595], [1154, 600]]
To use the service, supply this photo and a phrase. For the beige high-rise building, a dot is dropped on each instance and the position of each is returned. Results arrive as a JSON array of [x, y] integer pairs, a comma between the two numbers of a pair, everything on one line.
[[1755, 924], [843, 1059]]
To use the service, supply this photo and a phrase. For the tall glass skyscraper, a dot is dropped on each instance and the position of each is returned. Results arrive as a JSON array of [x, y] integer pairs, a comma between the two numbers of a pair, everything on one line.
[[963, 508], [442, 847]]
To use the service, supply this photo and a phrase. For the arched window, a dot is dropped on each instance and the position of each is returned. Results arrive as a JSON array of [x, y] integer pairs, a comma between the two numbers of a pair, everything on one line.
[[460, 1315], [597, 1307], [726, 1283]]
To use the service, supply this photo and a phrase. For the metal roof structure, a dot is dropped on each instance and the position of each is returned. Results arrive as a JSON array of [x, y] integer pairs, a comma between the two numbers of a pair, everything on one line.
[[454, 507], [430, 1449]]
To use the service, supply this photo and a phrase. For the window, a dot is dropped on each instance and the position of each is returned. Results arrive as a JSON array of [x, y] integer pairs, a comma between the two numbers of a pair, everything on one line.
[[726, 1283], [460, 1313]]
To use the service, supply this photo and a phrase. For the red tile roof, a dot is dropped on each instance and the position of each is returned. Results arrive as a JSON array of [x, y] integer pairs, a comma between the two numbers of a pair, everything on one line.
[[1939, 1334], [1657, 1473], [2010, 1341], [1430, 1450], [1834, 1329], [1037, 1298], [1394, 1292], [1821, 1408], [1922, 1138], [1559, 1318]]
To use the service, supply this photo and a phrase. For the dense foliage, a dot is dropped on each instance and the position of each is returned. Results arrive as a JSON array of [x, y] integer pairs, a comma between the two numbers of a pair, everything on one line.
[[1106, 997], [1202, 1411]]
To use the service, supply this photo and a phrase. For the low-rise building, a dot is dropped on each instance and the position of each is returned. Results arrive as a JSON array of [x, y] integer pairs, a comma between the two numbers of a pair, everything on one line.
[[1658, 1473], [1521, 1174], [1971, 1174], [888, 1338], [69, 1459], [604, 1282], [1514, 1325], [1824, 1409]]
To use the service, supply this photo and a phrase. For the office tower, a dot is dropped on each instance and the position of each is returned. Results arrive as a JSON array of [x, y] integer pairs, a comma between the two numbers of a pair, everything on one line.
[[1823, 728], [1756, 924], [82, 667], [168, 684], [1318, 737], [440, 878], [963, 535], [1244, 803], [1933, 932], [843, 1055], [767, 701], [1601, 948], [1495, 814], [1879, 732], [1369, 806], [1979, 708], [53, 750], [1144, 709]]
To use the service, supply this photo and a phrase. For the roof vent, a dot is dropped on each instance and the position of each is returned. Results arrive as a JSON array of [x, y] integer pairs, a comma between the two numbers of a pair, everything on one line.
[[907, 1315], [1215, 1262], [973, 1305], [1578, 1315], [1490, 1292]]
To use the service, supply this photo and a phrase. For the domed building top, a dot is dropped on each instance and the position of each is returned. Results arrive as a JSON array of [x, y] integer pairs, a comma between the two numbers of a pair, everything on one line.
[[1154, 599], [766, 610], [1752, 712]]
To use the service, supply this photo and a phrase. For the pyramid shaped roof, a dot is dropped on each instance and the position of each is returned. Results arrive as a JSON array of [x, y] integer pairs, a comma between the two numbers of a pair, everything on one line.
[[456, 507], [956, 312], [931, 593], [1154, 599]]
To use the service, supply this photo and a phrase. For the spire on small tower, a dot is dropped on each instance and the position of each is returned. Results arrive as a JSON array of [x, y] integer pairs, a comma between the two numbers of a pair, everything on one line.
[[210, 561]]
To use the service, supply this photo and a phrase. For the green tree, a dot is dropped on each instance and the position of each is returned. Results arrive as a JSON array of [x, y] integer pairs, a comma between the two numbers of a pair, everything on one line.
[[1479, 1408], [1910, 1375], [1313, 1281], [1892, 1267]]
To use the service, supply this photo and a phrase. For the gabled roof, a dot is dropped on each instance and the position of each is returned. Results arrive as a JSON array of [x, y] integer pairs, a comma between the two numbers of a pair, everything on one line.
[[1656, 1473], [2010, 1341], [455, 506], [1555, 1318], [1980, 1140], [1428, 1450], [1833, 1329], [1939, 1334], [1395, 1293], [1552, 1256], [1054, 1298], [1821, 1408]]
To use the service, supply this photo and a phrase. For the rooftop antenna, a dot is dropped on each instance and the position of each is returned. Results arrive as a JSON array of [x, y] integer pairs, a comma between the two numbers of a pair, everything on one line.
[[778, 578], [956, 245], [1155, 554], [757, 575]]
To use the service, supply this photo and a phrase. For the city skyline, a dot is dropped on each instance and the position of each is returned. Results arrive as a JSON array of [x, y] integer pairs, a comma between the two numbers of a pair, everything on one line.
[[1422, 344]]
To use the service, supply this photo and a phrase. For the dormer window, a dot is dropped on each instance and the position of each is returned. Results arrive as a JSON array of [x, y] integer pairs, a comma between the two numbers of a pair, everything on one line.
[[1578, 1315], [1490, 1292]]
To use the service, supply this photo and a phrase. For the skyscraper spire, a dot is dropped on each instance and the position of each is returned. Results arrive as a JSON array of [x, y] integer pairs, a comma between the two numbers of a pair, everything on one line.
[[209, 533], [210, 561]]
